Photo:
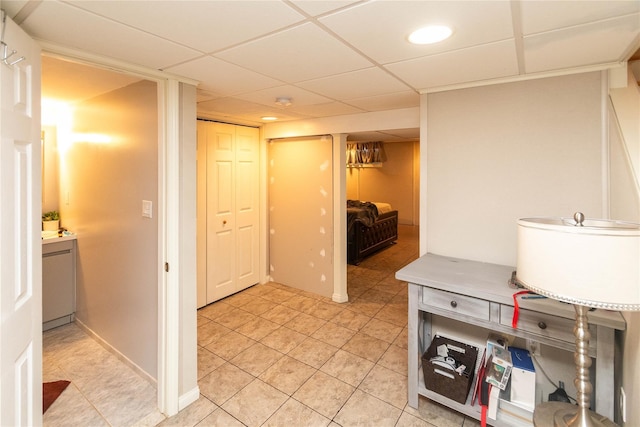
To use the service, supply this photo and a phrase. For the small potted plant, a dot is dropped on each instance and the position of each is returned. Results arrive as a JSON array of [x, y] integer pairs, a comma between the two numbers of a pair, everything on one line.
[[50, 221]]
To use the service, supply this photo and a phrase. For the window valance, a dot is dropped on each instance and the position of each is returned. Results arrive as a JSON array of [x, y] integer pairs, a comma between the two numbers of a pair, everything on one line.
[[364, 153]]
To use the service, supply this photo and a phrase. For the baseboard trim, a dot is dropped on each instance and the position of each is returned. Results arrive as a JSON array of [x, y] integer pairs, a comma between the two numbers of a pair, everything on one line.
[[188, 398], [116, 353]]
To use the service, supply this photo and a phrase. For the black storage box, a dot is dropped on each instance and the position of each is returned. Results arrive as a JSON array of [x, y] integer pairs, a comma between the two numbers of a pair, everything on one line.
[[440, 374]]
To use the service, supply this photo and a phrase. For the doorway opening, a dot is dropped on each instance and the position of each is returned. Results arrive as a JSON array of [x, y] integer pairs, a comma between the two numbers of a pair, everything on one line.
[[101, 147]]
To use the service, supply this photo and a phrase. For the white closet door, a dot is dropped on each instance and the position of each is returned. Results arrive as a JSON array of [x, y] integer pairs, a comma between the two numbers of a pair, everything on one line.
[[221, 230], [247, 206], [230, 193]]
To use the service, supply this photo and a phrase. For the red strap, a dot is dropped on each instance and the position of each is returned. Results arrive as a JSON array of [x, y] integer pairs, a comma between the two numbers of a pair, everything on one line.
[[483, 416], [516, 308]]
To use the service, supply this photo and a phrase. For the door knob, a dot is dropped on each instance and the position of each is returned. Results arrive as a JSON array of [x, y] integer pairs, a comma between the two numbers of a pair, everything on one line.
[[224, 222]]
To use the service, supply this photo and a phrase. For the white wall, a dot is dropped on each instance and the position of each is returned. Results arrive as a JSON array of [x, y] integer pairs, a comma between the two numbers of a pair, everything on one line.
[[503, 152], [117, 277], [188, 359]]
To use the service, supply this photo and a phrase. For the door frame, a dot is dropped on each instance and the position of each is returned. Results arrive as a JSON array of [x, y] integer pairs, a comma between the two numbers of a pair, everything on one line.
[[170, 294]]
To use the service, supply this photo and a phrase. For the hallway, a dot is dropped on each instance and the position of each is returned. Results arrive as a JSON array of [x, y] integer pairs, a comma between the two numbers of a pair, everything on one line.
[[273, 355]]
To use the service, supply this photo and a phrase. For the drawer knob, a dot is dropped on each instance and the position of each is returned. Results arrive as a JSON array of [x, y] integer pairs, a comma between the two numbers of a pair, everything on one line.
[[542, 325], [454, 304]]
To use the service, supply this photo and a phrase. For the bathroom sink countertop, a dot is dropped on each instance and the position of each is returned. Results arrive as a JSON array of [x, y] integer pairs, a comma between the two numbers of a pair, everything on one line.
[[52, 237]]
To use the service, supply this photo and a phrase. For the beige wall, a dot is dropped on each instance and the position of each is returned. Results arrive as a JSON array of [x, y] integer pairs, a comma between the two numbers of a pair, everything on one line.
[[394, 182], [300, 213], [117, 278], [625, 205], [50, 174], [503, 152]]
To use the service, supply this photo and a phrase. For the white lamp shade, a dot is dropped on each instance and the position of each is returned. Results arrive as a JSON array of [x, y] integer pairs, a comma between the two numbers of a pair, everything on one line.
[[597, 264]]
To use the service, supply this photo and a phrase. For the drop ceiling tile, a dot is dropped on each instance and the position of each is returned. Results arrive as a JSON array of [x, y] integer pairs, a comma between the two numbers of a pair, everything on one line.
[[13, 6], [222, 77], [395, 135], [83, 30], [540, 16], [380, 29], [405, 134], [227, 108], [356, 84], [607, 41], [391, 101], [319, 7], [325, 110], [297, 95], [365, 136], [461, 66], [203, 25], [230, 106], [301, 53], [205, 95], [281, 117]]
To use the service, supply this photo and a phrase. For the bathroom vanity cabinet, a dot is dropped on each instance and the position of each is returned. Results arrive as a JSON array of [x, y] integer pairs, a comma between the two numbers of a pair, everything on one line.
[[58, 281]]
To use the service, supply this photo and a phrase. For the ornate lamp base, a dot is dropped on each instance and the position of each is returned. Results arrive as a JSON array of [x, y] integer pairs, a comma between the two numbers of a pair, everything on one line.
[[560, 414]]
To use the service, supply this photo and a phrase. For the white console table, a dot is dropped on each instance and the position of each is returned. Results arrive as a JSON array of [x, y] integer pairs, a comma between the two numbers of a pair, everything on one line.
[[478, 293]]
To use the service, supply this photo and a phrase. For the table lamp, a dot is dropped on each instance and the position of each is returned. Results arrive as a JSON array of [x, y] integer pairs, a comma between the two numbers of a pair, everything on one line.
[[592, 263]]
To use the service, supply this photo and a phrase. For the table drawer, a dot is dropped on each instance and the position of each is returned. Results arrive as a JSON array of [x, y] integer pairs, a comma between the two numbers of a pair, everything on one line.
[[545, 325], [456, 303]]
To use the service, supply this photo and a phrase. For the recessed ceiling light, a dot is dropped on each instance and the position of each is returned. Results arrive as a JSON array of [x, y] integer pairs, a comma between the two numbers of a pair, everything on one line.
[[269, 118], [430, 34]]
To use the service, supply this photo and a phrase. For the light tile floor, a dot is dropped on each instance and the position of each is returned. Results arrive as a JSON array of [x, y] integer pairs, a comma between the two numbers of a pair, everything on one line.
[[273, 355], [103, 391]]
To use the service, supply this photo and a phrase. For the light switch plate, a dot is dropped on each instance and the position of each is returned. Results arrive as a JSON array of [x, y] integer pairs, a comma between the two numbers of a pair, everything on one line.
[[147, 209]]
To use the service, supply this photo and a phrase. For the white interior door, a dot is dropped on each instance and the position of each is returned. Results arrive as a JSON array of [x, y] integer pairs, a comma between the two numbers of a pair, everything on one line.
[[228, 210], [247, 206], [221, 227], [20, 219]]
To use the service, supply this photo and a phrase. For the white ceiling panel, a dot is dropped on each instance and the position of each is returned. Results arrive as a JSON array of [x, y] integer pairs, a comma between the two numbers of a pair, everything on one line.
[[335, 57], [297, 95], [606, 41], [540, 16], [230, 105], [380, 28], [69, 26], [223, 78], [391, 101], [460, 66], [13, 6], [203, 25], [246, 112], [319, 7], [296, 54], [395, 135], [356, 84], [205, 95], [325, 110]]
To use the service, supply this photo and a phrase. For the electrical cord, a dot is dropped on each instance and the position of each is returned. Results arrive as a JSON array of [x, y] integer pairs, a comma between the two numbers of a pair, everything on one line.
[[533, 357]]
